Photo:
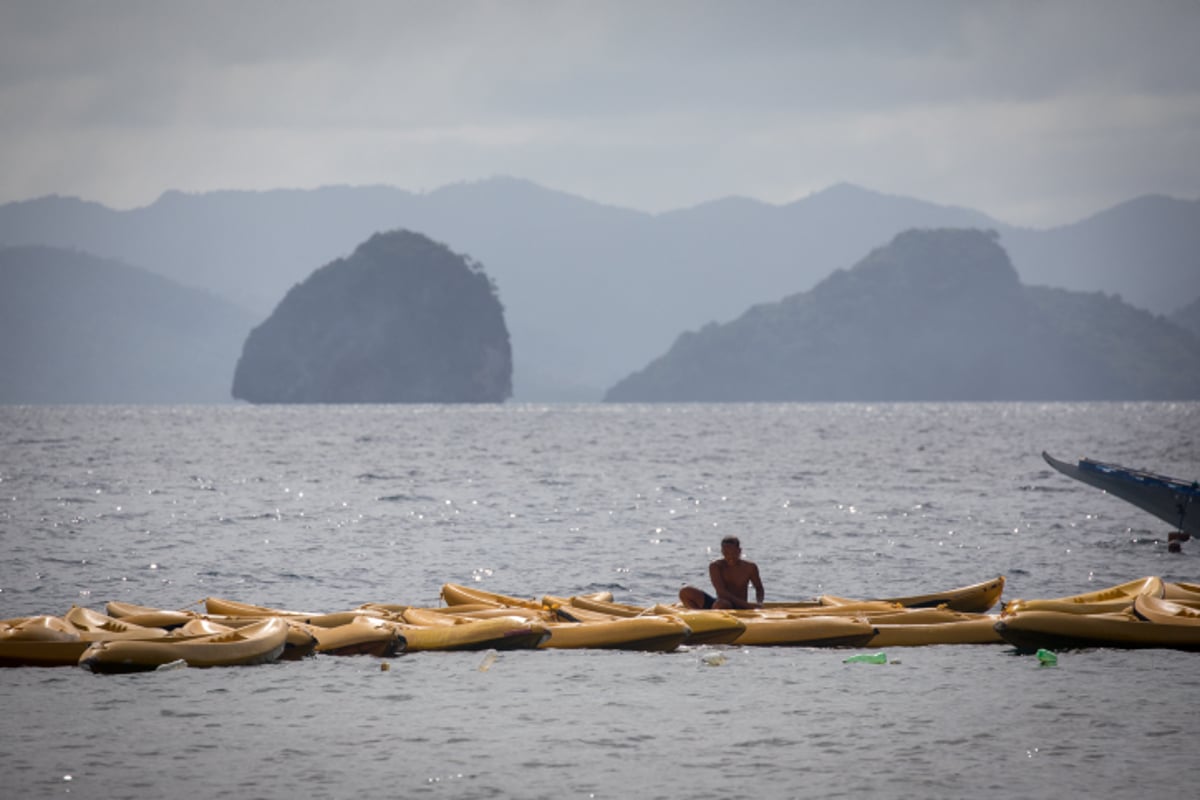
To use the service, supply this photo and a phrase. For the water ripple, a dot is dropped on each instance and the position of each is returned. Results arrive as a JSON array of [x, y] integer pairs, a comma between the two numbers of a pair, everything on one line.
[[569, 500]]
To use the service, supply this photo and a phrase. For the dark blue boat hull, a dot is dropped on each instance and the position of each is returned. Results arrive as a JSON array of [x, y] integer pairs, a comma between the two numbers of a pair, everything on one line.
[[1174, 501]]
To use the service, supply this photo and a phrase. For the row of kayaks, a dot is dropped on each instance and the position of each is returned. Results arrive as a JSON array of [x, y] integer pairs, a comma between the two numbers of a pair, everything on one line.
[[828, 621], [1144, 613], [130, 637]]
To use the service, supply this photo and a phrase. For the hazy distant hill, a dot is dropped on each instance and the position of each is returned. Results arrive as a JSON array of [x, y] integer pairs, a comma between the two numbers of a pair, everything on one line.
[[1188, 317], [402, 320], [934, 315], [591, 291], [1115, 351], [79, 329], [1146, 250]]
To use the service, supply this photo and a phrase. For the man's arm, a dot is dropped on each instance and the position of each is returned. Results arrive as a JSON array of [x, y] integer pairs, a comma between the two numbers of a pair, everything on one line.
[[758, 584]]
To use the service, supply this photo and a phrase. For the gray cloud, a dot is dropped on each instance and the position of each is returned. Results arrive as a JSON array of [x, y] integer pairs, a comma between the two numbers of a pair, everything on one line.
[[1037, 112]]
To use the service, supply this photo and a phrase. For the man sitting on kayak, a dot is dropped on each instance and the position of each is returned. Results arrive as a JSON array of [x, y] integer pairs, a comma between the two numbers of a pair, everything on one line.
[[731, 578]]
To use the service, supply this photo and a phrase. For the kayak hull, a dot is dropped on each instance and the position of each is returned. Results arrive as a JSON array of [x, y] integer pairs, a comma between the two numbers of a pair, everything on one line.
[[502, 633], [16, 653], [812, 631], [362, 636], [1030, 631], [255, 644], [43, 641], [978, 598], [648, 634], [975, 631], [1113, 599]]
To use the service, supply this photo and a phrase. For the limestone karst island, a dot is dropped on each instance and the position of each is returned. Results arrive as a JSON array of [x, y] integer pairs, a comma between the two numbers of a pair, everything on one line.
[[402, 320]]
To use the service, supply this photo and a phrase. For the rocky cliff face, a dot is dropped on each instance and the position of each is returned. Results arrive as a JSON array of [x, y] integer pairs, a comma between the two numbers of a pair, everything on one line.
[[934, 315], [402, 320]]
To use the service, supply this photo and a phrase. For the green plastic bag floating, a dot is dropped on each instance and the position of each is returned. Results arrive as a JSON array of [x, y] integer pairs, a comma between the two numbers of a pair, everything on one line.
[[1047, 658], [867, 658]]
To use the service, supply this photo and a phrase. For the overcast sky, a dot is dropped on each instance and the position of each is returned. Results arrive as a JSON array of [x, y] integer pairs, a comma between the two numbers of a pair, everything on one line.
[[1038, 113]]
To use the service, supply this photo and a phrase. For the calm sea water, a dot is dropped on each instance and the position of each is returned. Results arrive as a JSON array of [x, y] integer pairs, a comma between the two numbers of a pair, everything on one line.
[[325, 508]]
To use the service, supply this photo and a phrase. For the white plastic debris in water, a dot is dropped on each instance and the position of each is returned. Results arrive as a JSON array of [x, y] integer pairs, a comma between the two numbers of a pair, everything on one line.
[[713, 659], [178, 663], [489, 658]]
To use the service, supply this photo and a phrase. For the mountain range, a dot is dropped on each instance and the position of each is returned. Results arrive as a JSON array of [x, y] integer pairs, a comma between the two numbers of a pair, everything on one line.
[[933, 315], [75, 328], [594, 292]]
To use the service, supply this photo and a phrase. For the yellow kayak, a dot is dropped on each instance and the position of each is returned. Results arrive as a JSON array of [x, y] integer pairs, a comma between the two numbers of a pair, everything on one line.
[[1056, 630], [919, 616], [232, 608], [455, 595], [806, 631], [591, 603], [1155, 609], [96, 627], [1187, 593], [254, 644], [977, 629], [147, 616], [977, 598], [395, 611], [708, 627], [451, 615], [363, 635], [828, 604], [577, 614], [1102, 601], [846, 608], [649, 633], [52, 641], [432, 619], [235, 608], [299, 644], [500, 633], [43, 641], [435, 617]]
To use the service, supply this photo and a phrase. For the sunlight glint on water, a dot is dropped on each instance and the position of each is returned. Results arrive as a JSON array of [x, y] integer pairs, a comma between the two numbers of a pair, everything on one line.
[[325, 508]]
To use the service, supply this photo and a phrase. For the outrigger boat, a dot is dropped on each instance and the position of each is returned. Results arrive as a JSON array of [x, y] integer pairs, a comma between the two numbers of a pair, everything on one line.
[[1175, 501]]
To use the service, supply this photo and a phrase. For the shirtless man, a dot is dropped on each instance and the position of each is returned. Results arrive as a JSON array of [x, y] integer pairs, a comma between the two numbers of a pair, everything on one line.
[[731, 577]]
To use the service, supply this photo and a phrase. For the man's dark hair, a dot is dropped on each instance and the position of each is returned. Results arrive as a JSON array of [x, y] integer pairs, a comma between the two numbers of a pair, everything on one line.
[[733, 540]]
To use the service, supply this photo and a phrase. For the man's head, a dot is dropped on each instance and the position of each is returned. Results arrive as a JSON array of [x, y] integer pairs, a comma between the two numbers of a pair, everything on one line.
[[731, 547]]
